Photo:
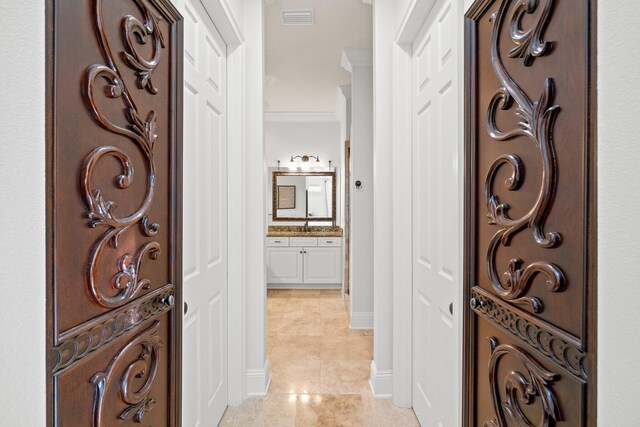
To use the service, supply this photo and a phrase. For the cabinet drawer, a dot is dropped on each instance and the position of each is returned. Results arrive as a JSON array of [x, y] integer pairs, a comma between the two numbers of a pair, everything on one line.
[[329, 241], [303, 241], [277, 241]]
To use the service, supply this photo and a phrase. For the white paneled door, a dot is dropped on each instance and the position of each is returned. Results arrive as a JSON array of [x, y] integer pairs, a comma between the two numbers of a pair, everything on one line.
[[436, 217], [204, 360]]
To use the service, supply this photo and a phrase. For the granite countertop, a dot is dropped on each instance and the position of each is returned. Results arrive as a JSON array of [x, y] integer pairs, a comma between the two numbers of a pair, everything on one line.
[[301, 231]]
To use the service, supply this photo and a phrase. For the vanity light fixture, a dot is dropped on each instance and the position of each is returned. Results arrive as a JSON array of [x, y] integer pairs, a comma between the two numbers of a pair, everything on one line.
[[305, 158]]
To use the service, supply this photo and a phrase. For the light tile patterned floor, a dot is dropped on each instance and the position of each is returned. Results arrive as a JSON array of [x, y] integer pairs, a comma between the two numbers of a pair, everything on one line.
[[319, 369]]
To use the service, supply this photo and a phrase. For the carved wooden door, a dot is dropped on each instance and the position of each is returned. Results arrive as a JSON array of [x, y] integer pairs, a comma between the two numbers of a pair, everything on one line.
[[530, 234], [114, 213]]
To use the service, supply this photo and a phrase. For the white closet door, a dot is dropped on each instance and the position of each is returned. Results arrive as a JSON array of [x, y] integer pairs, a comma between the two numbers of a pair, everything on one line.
[[204, 365], [436, 214]]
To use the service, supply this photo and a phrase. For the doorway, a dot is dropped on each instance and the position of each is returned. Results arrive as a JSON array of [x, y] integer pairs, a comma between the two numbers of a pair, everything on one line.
[[317, 357]]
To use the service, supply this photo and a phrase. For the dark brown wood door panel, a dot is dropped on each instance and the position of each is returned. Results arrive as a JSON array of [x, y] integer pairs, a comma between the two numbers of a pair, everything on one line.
[[114, 212], [530, 213]]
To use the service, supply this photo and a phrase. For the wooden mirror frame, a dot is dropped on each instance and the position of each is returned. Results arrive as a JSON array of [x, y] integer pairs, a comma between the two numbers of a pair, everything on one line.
[[274, 195]]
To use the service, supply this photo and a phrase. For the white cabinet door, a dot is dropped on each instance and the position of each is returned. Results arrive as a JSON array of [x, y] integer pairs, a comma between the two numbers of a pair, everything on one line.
[[204, 360], [284, 265], [437, 185], [322, 265]]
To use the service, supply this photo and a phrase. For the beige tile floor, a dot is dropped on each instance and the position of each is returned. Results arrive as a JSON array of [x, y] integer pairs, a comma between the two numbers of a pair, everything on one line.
[[319, 369]]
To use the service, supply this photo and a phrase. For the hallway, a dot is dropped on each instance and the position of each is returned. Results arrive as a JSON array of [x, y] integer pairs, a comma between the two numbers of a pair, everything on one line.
[[319, 368]]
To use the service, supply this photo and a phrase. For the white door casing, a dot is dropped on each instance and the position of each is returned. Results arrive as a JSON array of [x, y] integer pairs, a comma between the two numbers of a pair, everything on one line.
[[436, 206], [204, 219]]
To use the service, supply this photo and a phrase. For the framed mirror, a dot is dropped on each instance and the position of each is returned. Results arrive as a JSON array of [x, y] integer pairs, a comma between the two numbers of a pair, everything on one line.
[[304, 196]]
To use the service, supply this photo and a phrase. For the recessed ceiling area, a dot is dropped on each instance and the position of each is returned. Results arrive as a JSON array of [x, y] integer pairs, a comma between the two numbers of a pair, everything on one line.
[[302, 62]]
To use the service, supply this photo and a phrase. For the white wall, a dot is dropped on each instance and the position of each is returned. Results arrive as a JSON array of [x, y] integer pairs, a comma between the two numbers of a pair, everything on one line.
[[359, 62], [286, 139], [22, 213], [618, 208], [257, 365], [381, 375]]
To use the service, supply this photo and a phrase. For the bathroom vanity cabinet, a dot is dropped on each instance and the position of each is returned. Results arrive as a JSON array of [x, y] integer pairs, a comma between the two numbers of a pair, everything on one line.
[[304, 262]]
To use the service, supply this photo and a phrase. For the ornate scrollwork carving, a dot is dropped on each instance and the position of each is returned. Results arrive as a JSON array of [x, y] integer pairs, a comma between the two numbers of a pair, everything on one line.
[[138, 401], [78, 343], [133, 27], [521, 388], [536, 121], [530, 43], [101, 212], [557, 346]]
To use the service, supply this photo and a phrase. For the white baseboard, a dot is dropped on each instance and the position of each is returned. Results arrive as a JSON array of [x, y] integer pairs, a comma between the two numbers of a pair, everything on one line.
[[361, 320], [258, 381], [381, 382], [304, 286]]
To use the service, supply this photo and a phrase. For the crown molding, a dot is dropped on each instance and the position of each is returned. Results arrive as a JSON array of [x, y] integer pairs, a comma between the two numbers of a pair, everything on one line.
[[352, 57], [297, 117]]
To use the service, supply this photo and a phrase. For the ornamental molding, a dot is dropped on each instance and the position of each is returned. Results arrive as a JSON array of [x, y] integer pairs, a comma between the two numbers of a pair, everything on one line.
[[526, 386], [557, 346], [126, 283], [536, 123]]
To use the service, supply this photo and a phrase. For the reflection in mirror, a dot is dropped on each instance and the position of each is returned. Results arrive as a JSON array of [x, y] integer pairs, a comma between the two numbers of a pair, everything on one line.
[[304, 196]]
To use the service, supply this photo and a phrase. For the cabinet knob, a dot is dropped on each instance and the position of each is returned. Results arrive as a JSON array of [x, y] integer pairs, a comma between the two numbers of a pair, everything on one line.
[[186, 307]]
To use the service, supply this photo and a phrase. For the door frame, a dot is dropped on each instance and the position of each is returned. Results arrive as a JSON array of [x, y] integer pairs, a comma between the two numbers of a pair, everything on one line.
[[346, 284], [412, 21]]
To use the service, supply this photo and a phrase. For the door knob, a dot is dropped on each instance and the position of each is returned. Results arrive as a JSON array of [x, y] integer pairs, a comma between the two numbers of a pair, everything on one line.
[[186, 307], [451, 308], [168, 300], [474, 303]]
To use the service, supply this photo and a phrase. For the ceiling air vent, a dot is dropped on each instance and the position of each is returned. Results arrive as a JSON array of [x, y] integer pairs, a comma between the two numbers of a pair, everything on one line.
[[298, 17]]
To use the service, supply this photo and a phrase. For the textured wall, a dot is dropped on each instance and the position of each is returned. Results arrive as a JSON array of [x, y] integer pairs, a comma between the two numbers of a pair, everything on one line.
[[22, 213], [618, 207]]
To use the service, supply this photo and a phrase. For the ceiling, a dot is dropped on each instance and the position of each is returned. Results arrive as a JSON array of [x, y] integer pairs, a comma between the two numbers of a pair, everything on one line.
[[302, 62]]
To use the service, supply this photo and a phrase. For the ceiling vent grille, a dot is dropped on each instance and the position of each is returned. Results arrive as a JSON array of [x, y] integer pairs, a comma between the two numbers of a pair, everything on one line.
[[298, 17]]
